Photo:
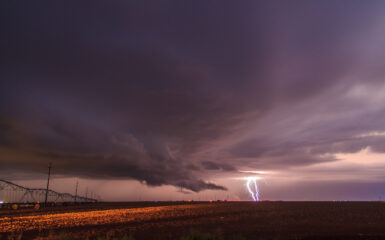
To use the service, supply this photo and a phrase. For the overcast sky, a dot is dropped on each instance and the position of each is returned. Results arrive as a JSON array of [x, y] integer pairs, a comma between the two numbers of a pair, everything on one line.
[[154, 96]]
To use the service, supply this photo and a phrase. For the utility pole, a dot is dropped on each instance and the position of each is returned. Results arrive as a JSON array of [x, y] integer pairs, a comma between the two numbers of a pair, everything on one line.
[[76, 190], [49, 175]]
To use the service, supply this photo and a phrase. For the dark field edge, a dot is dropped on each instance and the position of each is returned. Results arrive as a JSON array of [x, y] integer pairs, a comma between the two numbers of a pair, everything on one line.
[[197, 233]]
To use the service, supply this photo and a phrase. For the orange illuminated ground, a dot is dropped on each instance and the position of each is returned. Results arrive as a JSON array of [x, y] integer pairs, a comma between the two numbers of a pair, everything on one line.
[[102, 217], [266, 220]]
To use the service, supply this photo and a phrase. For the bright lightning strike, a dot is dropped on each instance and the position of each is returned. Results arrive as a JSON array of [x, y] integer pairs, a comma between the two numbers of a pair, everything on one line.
[[250, 184]]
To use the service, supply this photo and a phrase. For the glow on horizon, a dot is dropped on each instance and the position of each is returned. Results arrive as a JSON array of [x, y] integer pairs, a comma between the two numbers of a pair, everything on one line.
[[254, 172], [372, 134]]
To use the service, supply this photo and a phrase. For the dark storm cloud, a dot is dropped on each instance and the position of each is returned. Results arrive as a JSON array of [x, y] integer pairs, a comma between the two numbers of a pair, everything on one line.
[[217, 166], [152, 91], [90, 152]]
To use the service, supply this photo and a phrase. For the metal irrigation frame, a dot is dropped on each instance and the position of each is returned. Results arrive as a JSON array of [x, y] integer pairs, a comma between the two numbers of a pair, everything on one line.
[[35, 193]]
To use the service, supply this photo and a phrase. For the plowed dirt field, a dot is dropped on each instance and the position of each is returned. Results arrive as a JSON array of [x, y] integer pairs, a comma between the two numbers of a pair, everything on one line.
[[263, 220]]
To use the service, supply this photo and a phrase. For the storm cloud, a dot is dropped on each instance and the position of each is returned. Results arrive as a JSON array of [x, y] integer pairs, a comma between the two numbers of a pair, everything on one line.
[[165, 92]]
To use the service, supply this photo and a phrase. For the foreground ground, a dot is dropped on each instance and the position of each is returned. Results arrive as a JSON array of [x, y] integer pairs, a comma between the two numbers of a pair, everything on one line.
[[247, 220]]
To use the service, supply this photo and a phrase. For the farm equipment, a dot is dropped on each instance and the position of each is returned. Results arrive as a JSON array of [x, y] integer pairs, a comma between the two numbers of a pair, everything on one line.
[[14, 196]]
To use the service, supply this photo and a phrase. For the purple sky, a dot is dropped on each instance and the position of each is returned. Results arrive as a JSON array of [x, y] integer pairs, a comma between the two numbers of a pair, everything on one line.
[[139, 98]]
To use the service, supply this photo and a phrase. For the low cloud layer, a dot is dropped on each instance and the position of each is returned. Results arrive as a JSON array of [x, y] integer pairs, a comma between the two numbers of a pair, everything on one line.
[[168, 92]]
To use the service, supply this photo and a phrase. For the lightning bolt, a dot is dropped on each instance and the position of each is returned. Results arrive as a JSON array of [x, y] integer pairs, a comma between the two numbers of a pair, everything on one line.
[[254, 194]]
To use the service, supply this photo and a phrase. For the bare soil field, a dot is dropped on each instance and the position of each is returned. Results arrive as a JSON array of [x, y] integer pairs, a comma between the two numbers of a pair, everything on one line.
[[249, 220]]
